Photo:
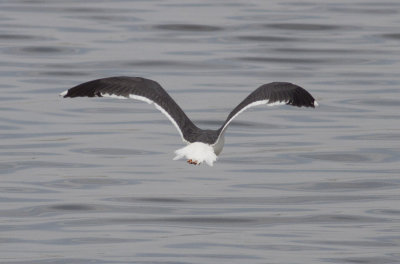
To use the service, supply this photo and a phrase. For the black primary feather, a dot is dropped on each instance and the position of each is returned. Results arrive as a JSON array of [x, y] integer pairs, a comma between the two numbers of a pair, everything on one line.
[[126, 86]]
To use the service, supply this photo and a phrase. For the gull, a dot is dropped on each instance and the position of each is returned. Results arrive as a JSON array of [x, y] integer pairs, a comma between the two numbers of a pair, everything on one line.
[[203, 145]]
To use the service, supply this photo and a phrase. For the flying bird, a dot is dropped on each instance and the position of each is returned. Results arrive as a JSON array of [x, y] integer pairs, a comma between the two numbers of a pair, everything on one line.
[[203, 145]]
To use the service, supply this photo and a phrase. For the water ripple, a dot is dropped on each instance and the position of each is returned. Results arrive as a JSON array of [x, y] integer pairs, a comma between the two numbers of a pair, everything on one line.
[[11, 167], [20, 37], [282, 60], [115, 151], [188, 27], [282, 200], [46, 50], [258, 39], [237, 221], [88, 183], [343, 186], [304, 27], [394, 36], [362, 156]]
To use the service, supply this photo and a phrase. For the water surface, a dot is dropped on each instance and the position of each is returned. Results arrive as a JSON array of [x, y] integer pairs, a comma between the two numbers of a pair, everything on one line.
[[93, 181]]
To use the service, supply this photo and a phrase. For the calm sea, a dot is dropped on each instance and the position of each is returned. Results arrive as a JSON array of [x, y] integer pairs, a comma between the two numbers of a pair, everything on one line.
[[90, 180]]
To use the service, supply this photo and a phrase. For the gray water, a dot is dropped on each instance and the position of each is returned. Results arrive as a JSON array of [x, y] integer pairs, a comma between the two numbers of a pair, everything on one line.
[[92, 180]]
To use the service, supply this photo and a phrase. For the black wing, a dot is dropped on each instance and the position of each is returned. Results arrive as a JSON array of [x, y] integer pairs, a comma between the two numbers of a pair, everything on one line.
[[275, 93], [140, 89]]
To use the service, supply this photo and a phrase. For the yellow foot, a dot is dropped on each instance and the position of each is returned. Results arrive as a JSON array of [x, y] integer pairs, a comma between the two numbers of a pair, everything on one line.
[[192, 162]]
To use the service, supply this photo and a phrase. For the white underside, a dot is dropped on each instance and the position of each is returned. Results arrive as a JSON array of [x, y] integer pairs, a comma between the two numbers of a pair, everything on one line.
[[198, 152]]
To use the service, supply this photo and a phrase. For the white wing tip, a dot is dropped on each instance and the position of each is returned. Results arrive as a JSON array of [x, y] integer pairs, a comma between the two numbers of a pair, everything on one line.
[[64, 93]]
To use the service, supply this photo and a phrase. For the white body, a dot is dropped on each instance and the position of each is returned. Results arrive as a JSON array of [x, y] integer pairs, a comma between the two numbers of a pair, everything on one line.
[[199, 152]]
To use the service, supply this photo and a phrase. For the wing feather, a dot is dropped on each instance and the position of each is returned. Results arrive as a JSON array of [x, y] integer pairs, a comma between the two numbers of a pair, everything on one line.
[[140, 89], [275, 93]]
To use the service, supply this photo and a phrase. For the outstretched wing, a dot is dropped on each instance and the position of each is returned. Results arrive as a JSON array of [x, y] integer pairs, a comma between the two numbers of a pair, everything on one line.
[[136, 88], [275, 93]]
